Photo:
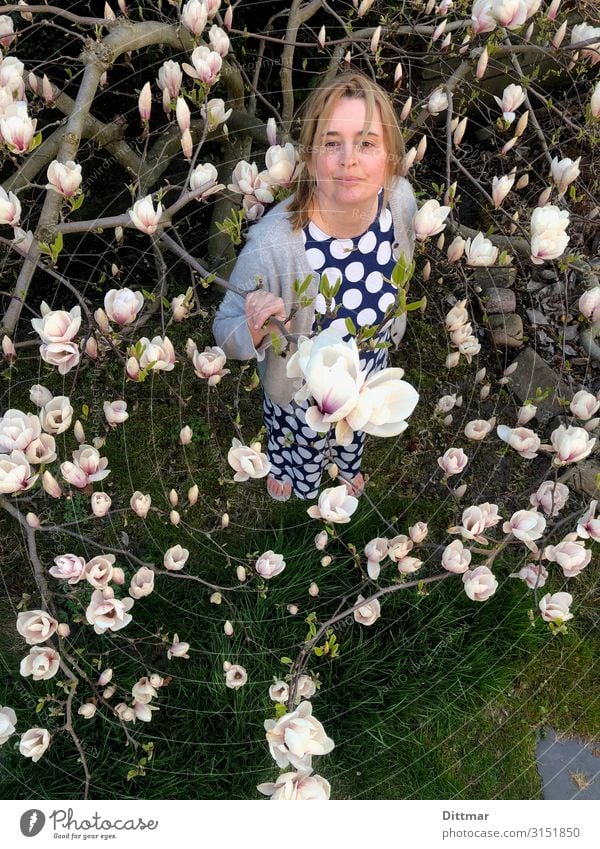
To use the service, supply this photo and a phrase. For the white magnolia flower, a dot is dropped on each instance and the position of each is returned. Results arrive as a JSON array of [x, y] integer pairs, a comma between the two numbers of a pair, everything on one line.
[[18, 430], [297, 786], [456, 558], [570, 444], [218, 40], [564, 172], [525, 441], [206, 63], [512, 97], [247, 461], [334, 505], [478, 429], [368, 613], [56, 415], [10, 208], [142, 583], [8, 722], [430, 219], [526, 526], [480, 583], [34, 743], [209, 364], [68, 567], [583, 32], [548, 236], [215, 114], [36, 626], [16, 475], [194, 16], [555, 608], [584, 405], [175, 558], [280, 161], [437, 102], [235, 677], [41, 663], [64, 178], [296, 736], [501, 186], [480, 251], [170, 77], [595, 101], [143, 215], [279, 692], [550, 497], [270, 564], [16, 127], [571, 555], [534, 575], [57, 325], [588, 527], [105, 612], [123, 305]]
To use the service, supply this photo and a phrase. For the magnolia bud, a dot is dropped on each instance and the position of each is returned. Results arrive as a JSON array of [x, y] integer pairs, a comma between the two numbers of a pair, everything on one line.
[[32, 80], [193, 494], [452, 359], [480, 375], [348, 57], [216, 598], [8, 349], [375, 40], [50, 485], [484, 391], [187, 144], [225, 520], [460, 490], [321, 37], [47, 92], [522, 123], [406, 109], [185, 435], [559, 35], [321, 540], [325, 561], [91, 348], [241, 574], [398, 74], [292, 609], [226, 666], [132, 368], [100, 503], [509, 145], [109, 692], [545, 196], [174, 517], [119, 233], [313, 590], [426, 271], [332, 470], [459, 132], [228, 629], [448, 420], [591, 425], [173, 498], [32, 520], [440, 243], [98, 442], [105, 678], [63, 630], [482, 64], [522, 182], [528, 33]]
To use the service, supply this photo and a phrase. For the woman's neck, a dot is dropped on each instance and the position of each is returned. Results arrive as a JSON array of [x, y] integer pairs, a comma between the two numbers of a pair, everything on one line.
[[340, 225]]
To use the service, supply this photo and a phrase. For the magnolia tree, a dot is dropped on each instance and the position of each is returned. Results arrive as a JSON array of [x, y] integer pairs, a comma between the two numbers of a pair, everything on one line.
[[204, 112]]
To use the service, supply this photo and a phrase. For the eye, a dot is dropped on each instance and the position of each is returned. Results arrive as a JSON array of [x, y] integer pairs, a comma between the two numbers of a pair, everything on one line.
[[330, 145]]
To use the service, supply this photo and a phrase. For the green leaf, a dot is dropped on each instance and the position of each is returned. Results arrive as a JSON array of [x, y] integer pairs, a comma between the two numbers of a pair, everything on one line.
[[350, 326], [286, 660], [77, 201]]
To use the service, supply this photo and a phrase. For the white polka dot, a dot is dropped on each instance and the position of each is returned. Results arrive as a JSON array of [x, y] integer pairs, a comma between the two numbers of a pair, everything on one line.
[[316, 233], [385, 220], [316, 258], [292, 422], [340, 248], [374, 281], [352, 299], [355, 271], [302, 486], [308, 432], [333, 274], [339, 324], [320, 305], [385, 301], [366, 316], [384, 252], [367, 242]]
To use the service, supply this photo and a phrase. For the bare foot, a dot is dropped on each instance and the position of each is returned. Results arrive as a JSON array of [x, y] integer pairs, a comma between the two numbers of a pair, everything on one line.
[[357, 486], [278, 490]]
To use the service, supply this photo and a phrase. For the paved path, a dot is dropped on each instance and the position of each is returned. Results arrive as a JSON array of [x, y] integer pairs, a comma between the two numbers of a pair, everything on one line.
[[569, 768]]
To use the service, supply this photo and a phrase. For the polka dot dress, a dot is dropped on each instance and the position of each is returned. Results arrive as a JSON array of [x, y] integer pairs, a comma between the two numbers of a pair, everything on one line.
[[297, 454]]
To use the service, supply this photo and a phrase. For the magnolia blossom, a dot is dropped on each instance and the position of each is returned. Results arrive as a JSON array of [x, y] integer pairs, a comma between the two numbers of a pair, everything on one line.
[[68, 567], [214, 113], [11, 75], [99, 571], [457, 317], [548, 236], [279, 692], [511, 13], [57, 415], [209, 365], [158, 354], [456, 558], [525, 441], [438, 101], [550, 497], [178, 649], [270, 564], [105, 612], [477, 519], [57, 325], [140, 503], [399, 547], [7, 31], [512, 97], [280, 164], [584, 405], [296, 736], [34, 743], [205, 177], [526, 413], [297, 786], [571, 555], [430, 219], [142, 583], [526, 526], [408, 565], [175, 558], [563, 172], [64, 179], [375, 550], [87, 710], [589, 302], [39, 395], [235, 677], [595, 101], [570, 444], [8, 721], [144, 216], [18, 430], [480, 251], [367, 613], [16, 127], [453, 462], [36, 626], [588, 527], [41, 663], [10, 208], [478, 429], [334, 505], [16, 474], [41, 450], [305, 688], [218, 40], [143, 691], [170, 77], [123, 305], [480, 583], [534, 575], [583, 32], [246, 180], [418, 532], [247, 462], [206, 63], [194, 16], [63, 355], [115, 412], [87, 466], [482, 19], [555, 608]]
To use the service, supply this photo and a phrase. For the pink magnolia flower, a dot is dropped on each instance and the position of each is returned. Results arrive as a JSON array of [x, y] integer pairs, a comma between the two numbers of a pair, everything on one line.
[[10, 208], [7, 31], [36, 626], [501, 186], [512, 97], [175, 558], [170, 77], [555, 608], [571, 555], [34, 743], [430, 220], [145, 102], [526, 526], [144, 217], [235, 676], [115, 412], [68, 567], [570, 444], [524, 440], [399, 547], [218, 40], [158, 354], [368, 613], [99, 571], [16, 474], [375, 550], [16, 127], [105, 612], [248, 462], [142, 583], [209, 365], [584, 405], [63, 355], [123, 305], [18, 430], [140, 503], [206, 65], [56, 415], [589, 302], [480, 251], [296, 786], [408, 565], [418, 532], [478, 429], [588, 527], [178, 649], [295, 737], [583, 32], [480, 583], [100, 503], [550, 497], [11, 76], [194, 16], [57, 325], [87, 466], [41, 663], [453, 462], [526, 414], [41, 450], [509, 13], [270, 564], [564, 172], [595, 101], [534, 575], [482, 19], [456, 558], [548, 236], [334, 505], [64, 178]]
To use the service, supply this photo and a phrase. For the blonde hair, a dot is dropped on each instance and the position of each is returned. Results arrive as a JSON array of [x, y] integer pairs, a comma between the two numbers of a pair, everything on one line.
[[316, 113]]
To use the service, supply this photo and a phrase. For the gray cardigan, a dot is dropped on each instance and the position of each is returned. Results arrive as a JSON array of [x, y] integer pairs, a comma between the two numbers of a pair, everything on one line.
[[275, 254]]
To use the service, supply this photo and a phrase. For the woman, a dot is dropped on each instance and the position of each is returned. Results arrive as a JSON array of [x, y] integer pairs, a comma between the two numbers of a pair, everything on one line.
[[350, 217]]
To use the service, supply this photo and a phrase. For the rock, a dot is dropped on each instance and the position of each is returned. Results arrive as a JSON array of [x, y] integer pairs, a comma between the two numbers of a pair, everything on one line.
[[536, 317], [533, 373], [496, 276], [506, 331], [586, 478], [495, 301]]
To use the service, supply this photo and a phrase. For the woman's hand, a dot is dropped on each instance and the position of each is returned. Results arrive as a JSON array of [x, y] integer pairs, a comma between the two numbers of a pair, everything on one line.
[[261, 306]]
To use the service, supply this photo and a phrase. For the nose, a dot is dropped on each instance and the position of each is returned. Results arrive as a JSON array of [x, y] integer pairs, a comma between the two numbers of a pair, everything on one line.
[[349, 153]]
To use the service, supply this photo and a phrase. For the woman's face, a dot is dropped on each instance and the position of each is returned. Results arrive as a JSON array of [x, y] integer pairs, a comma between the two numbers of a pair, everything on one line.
[[349, 171]]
